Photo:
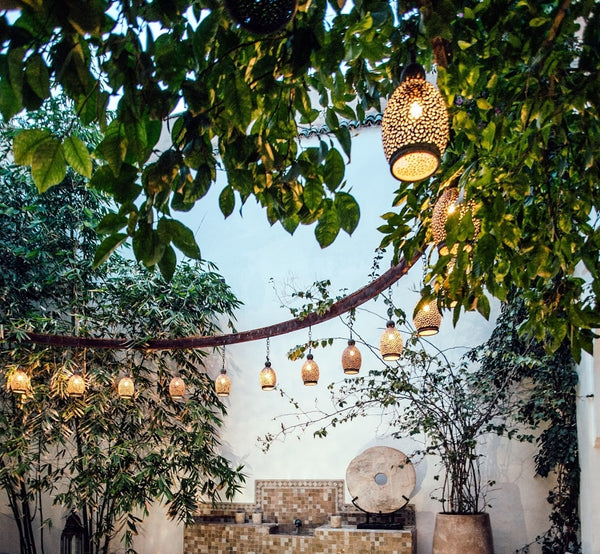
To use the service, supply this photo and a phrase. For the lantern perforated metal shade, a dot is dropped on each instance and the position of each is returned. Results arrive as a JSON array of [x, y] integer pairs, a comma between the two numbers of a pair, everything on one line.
[[267, 377], [447, 205], [126, 388], [390, 343], [177, 388], [428, 320], [76, 385], [310, 371], [414, 128], [262, 17], [20, 382], [351, 359], [223, 384]]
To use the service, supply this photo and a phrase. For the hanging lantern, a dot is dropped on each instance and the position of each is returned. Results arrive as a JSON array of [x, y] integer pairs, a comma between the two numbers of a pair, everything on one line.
[[176, 388], [76, 385], [20, 382], [267, 377], [126, 388], [390, 343], [310, 371], [448, 204], [351, 359], [262, 16], [428, 320], [414, 127], [223, 384]]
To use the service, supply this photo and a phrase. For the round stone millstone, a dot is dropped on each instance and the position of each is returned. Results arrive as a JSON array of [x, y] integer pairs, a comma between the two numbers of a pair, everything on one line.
[[262, 16], [381, 479]]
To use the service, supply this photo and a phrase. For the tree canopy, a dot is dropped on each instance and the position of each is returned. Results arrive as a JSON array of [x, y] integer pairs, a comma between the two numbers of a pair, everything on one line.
[[520, 79]]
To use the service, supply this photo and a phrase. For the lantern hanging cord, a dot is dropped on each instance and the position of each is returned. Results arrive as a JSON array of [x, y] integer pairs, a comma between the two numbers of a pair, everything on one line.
[[268, 348]]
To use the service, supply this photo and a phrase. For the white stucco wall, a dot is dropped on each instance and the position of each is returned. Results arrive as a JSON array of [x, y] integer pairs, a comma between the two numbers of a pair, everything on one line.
[[588, 428]]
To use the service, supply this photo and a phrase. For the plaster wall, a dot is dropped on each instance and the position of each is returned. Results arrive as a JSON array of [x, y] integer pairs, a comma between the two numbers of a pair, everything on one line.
[[263, 264], [588, 429]]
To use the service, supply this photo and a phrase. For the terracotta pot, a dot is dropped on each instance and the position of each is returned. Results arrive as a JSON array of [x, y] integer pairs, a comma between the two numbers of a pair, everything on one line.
[[462, 534]]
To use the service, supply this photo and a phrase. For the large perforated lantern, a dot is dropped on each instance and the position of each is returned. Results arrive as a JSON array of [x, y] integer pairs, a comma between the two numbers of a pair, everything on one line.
[[262, 17], [414, 127]]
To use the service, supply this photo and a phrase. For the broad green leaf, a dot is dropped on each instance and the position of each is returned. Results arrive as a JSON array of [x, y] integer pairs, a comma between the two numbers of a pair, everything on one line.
[[123, 187], [171, 230], [334, 169], [37, 76], [147, 246], [343, 135], [77, 156], [107, 247], [227, 201], [111, 223], [312, 195], [10, 104], [113, 147], [538, 21], [48, 166], [328, 227], [348, 211], [167, 263], [27, 142]]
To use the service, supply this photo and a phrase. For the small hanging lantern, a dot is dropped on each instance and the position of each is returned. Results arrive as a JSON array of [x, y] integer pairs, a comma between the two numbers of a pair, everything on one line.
[[223, 382], [76, 385], [267, 376], [262, 17], [310, 368], [428, 320], [177, 388], [20, 382], [126, 388], [390, 343], [414, 127], [351, 357], [447, 204]]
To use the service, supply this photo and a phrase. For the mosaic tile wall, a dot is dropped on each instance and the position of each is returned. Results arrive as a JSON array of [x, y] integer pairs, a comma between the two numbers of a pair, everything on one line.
[[281, 502], [221, 538]]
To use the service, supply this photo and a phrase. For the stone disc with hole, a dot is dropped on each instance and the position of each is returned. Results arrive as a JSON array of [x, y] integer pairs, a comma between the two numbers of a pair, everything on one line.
[[381, 479]]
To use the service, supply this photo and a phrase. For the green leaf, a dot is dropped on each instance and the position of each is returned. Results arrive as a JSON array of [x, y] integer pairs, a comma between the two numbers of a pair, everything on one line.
[[343, 135], [113, 147], [10, 103], [483, 306], [122, 187], [312, 195], [167, 263], [171, 230], [111, 223], [37, 76], [227, 201], [107, 247], [48, 166], [26, 143], [334, 169], [348, 211], [328, 227], [78, 156], [538, 21]]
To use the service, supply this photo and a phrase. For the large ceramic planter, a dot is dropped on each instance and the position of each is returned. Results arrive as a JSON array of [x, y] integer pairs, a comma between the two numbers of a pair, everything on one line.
[[462, 534]]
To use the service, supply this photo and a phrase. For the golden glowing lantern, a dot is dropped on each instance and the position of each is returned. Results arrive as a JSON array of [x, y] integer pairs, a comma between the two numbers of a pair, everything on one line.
[[390, 343], [223, 384], [20, 382], [76, 385], [177, 388], [446, 206], [267, 377], [428, 320], [262, 16], [351, 358], [414, 128], [126, 388], [310, 371]]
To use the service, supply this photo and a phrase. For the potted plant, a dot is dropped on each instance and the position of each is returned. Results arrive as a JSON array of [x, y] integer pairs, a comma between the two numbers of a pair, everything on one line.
[[453, 406]]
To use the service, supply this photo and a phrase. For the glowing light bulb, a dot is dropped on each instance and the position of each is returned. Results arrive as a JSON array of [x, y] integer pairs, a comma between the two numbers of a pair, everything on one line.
[[416, 110]]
